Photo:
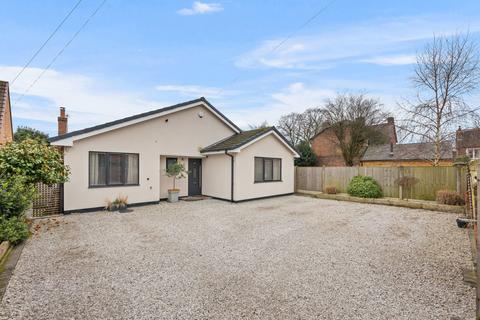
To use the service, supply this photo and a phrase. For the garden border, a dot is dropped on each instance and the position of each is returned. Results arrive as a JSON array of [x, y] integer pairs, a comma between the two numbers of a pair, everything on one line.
[[413, 204]]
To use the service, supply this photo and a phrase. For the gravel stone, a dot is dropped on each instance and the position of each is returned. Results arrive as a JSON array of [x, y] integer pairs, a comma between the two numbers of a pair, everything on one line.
[[282, 258]]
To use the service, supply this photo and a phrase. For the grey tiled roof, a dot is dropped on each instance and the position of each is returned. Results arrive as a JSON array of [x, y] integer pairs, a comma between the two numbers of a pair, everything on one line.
[[239, 139], [409, 151]]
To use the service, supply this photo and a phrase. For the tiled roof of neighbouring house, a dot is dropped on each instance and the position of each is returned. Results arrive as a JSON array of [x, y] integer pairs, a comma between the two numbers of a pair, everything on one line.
[[237, 140], [408, 151]]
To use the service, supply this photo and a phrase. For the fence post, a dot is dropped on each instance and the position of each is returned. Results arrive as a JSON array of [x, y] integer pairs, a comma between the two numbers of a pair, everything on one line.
[[400, 188], [459, 178], [295, 179], [323, 179], [475, 217]]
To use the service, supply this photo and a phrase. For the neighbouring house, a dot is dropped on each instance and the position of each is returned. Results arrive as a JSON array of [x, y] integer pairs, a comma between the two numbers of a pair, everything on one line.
[[6, 126], [467, 142], [409, 154], [325, 144], [129, 156]]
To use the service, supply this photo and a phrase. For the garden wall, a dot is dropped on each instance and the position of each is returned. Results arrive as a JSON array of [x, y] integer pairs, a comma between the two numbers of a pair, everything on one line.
[[430, 179]]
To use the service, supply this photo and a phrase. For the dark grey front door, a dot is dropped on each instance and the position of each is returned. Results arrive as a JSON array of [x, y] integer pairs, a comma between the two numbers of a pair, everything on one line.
[[194, 177]]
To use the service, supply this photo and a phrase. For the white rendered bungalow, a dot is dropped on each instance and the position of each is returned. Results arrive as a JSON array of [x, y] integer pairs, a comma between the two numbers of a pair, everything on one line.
[[129, 157]]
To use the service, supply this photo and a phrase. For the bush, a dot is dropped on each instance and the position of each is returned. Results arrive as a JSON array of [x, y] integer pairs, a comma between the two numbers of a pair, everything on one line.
[[13, 230], [331, 190], [34, 160], [450, 197], [16, 195], [307, 156], [364, 187]]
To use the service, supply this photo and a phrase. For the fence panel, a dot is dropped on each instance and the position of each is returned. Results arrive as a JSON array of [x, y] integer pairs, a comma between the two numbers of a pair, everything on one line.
[[339, 177], [430, 179]]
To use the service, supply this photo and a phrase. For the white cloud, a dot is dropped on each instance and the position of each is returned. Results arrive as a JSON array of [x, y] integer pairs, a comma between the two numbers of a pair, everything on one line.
[[296, 97], [391, 60], [200, 8], [194, 90], [86, 101], [366, 40]]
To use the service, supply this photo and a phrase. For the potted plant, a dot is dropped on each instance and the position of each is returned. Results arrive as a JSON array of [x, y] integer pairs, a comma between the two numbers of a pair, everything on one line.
[[119, 204], [175, 171]]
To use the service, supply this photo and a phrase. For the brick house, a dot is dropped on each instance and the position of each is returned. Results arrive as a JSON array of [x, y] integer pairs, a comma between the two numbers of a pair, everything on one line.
[[325, 143], [6, 127], [467, 142]]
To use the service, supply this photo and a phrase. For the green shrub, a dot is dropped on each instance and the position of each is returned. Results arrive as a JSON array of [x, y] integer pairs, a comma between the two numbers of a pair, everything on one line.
[[364, 187], [13, 230], [16, 196], [34, 160], [307, 156], [450, 197]]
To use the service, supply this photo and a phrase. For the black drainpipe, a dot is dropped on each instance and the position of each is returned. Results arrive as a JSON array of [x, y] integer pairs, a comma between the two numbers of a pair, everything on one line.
[[231, 187]]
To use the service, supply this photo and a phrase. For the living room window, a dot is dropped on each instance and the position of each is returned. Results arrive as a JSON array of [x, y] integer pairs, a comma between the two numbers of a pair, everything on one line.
[[268, 169], [110, 169]]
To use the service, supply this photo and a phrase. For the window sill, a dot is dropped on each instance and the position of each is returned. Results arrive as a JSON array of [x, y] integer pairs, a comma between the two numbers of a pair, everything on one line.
[[114, 186], [268, 181]]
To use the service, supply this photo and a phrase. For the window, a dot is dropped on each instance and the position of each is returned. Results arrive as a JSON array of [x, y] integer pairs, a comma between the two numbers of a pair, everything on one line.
[[473, 153], [113, 169], [268, 169], [170, 161]]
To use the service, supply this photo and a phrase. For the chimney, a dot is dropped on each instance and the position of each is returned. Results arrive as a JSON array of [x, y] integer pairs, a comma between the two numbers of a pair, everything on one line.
[[391, 150], [391, 120], [62, 122]]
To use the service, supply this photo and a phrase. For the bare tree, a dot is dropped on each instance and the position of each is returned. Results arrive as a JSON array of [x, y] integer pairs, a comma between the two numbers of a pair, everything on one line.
[[261, 125], [300, 127], [352, 118], [446, 72], [290, 126], [311, 123]]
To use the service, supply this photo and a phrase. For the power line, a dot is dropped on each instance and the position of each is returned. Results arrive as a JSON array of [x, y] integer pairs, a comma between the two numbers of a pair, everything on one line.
[[288, 37], [46, 41], [62, 50]]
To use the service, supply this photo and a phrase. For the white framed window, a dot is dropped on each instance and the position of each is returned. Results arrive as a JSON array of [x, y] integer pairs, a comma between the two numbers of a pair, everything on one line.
[[473, 153], [110, 169], [268, 169]]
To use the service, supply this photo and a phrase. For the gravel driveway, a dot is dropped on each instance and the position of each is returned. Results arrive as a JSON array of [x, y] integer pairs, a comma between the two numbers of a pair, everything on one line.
[[282, 258]]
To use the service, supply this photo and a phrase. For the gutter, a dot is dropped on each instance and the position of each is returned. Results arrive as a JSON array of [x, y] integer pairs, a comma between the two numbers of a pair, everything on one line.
[[232, 174]]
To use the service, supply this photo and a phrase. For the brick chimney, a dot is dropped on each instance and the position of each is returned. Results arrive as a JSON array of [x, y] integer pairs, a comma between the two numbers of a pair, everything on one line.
[[391, 120], [62, 122]]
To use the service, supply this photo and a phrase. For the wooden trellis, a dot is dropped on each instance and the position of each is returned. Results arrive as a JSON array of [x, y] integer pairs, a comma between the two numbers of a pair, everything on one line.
[[48, 201]]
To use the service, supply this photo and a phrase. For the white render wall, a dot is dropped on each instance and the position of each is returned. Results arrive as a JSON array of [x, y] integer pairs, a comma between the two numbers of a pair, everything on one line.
[[245, 187], [216, 176], [184, 134]]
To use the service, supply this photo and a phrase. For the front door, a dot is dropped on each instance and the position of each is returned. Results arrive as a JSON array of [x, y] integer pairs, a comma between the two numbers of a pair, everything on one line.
[[194, 177]]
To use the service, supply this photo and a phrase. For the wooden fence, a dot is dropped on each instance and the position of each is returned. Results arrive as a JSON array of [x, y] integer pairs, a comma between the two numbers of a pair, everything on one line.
[[430, 179]]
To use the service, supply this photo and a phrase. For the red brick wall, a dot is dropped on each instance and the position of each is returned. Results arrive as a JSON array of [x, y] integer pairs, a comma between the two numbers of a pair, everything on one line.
[[325, 147]]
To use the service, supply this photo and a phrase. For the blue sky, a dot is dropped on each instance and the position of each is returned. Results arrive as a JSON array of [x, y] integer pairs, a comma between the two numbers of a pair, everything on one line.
[[136, 56]]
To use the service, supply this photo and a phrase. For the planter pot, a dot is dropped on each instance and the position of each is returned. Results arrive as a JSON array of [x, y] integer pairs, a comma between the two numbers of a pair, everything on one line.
[[462, 223], [173, 195]]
